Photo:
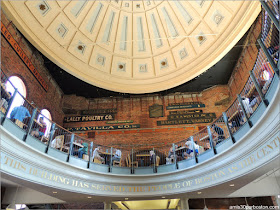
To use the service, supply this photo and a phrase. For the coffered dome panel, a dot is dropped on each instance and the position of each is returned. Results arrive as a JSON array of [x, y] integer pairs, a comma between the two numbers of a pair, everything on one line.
[[133, 46]]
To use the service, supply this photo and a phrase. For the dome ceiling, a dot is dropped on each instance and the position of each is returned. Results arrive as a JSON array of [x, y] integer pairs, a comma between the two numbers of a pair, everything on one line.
[[133, 46]]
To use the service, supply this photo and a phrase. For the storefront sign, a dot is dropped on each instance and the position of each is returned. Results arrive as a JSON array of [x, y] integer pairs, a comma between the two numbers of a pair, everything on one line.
[[188, 121], [185, 106], [188, 116], [185, 112], [119, 121], [106, 127], [98, 111], [88, 118], [23, 56], [185, 103]]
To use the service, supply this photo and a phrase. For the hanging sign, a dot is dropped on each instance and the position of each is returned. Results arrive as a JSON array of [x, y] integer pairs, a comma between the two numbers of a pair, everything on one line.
[[185, 106], [23, 56], [185, 112], [87, 118], [106, 127], [188, 116], [188, 121], [185, 103], [119, 121], [98, 111]]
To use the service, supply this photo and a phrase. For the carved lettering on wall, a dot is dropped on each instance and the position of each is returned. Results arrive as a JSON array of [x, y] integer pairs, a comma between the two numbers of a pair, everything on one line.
[[24, 169]]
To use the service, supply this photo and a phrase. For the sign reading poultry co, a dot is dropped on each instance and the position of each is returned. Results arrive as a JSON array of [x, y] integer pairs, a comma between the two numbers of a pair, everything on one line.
[[87, 118]]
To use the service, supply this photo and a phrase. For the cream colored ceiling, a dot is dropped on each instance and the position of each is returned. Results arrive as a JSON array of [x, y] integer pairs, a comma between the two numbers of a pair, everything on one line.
[[133, 46]]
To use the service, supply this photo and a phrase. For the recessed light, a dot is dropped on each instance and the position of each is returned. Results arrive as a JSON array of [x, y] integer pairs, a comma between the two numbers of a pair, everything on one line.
[[231, 185], [126, 199], [54, 192], [89, 197], [162, 197], [199, 192]]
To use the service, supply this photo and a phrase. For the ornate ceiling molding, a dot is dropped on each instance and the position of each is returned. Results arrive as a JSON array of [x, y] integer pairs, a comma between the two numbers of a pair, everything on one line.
[[133, 46]]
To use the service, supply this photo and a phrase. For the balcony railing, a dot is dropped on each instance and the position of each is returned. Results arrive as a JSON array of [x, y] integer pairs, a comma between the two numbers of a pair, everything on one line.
[[220, 135]]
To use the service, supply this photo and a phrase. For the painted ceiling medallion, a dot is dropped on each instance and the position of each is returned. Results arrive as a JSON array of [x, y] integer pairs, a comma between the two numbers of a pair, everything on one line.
[[121, 67], [100, 60], [42, 7], [142, 68], [62, 30], [133, 46], [218, 17], [201, 38]]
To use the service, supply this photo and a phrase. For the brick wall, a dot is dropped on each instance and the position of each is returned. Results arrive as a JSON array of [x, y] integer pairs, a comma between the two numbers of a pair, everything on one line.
[[137, 110], [12, 65], [246, 61]]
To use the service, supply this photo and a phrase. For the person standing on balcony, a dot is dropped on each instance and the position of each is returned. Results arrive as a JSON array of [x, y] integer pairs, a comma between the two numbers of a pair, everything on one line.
[[152, 157]]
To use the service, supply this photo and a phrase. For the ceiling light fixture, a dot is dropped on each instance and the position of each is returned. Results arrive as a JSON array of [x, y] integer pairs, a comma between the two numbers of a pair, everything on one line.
[[231, 185], [162, 197], [199, 192], [126, 199], [54, 192], [89, 197]]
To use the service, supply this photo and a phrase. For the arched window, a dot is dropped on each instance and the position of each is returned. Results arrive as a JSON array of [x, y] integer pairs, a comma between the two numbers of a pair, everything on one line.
[[47, 119], [16, 82]]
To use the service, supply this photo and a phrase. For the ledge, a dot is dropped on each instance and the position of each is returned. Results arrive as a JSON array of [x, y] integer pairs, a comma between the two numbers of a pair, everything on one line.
[[259, 147]]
